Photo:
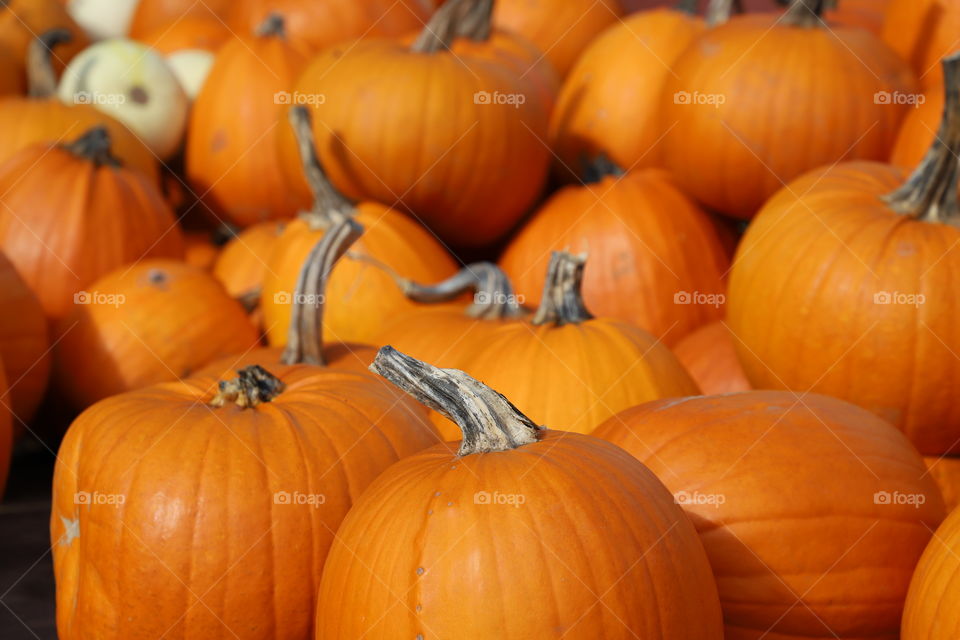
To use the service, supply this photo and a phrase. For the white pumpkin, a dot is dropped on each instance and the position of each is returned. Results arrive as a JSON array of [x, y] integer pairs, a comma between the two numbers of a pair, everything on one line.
[[134, 84], [102, 19], [191, 67]]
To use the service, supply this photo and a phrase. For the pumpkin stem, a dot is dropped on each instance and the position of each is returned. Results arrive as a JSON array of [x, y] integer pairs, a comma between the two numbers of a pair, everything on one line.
[[94, 145], [599, 167], [806, 13], [930, 194], [329, 205], [443, 26], [719, 11], [562, 301], [488, 420], [305, 339], [687, 6], [273, 26], [475, 20], [254, 386], [41, 78]]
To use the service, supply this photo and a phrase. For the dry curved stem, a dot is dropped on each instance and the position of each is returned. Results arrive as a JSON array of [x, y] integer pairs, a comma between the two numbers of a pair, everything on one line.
[[41, 78], [687, 6], [94, 145], [930, 194], [719, 11], [250, 300], [599, 167], [305, 338], [441, 30], [475, 20], [272, 26], [562, 300], [329, 205], [489, 422], [807, 13], [255, 385]]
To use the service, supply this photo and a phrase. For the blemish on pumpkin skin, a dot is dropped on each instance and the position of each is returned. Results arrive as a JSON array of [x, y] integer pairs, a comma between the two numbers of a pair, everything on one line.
[[906, 249], [419, 571], [71, 530], [139, 95], [219, 141]]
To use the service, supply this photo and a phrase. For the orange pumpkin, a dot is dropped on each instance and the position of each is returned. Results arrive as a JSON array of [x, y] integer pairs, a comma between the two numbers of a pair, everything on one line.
[[200, 251], [41, 117], [813, 512], [561, 30], [566, 367], [422, 553], [710, 356], [857, 259], [12, 80], [24, 344], [21, 21], [6, 431], [932, 611], [656, 258], [758, 101], [945, 471], [226, 496], [364, 297], [154, 321], [923, 32], [618, 79], [151, 15], [232, 154], [241, 265], [206, 33], [468, 161], [919, 129], [72, 213]]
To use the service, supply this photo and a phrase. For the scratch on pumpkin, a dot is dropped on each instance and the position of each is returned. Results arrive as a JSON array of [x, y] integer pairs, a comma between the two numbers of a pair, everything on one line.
[[71, 530]]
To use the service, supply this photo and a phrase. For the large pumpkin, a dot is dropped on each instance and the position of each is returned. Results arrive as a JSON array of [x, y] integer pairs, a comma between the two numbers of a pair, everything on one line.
[[154, 14], [710, 356], [72, 213], [656, 258], [21, 21], [232, 155], [365, 297], [923, 32], [154, 321], [756, 102], [425, 551], [565, 367], [813, 512], [219, 505], [933, 603], [469, 161], [857, 259], [24, 344]]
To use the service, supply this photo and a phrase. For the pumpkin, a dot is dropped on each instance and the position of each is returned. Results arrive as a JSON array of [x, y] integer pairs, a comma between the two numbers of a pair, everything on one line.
[[365, 297], [22, 21], [932, 611], [923, 32], [468, 162], [72, 213], [758, 101], [710, 356], [154, 14], [153, 321], [423, 551], [617, 79], [813, 512], [945, 471], [657, 259], [561, 30], [24, 344], [103, 19], [565, 367], [200, 250], [226, 496], [12, 81], [6, 431], [232, 154], [857, 258], [41, 117], [241, 265], [919, 129], [314, 26], [133, 83]]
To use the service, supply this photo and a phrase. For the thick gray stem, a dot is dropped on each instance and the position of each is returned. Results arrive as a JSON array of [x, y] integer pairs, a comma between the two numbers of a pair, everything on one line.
[[562, 300], [329, 205], [41, 78]]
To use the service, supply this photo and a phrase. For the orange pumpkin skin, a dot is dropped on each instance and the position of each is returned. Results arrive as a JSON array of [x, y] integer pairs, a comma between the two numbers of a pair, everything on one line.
[[945, 471], [232, 155], [237, 532], [361, 298], [722, 110], [204, 33], [24, 344], [918, 131], [438, 569], [647, 242], [154, 321], [932, 611], [618, 79], [69, 220], [152, 15], [710, 357], [199, 250], [833, 257], [762, 475], [23, 20], [11, 78], [242, 263], [923, 32], [561, 30], [345, 357]]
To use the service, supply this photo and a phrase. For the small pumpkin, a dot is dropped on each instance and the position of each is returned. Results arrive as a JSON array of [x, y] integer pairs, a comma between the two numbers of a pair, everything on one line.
[[932, 611], [565, 367], [22, 21], [422, 552], [945, 471], [154, 14], [153, 321], [232, 154], [227, 494], [758, 101], [923, 32], [813, 512], [72, 213], [200, 250], [857, 258], [658, 261], [241, 265], [710, 356]]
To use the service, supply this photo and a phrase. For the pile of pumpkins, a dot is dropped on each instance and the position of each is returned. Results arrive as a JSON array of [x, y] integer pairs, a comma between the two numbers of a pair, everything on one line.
[[479, 319]]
